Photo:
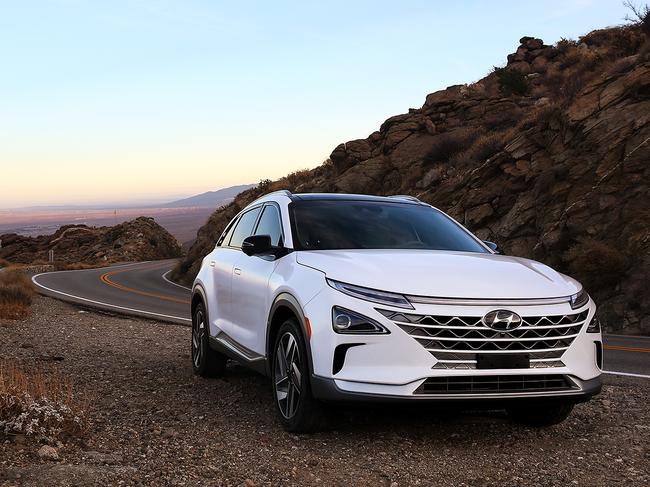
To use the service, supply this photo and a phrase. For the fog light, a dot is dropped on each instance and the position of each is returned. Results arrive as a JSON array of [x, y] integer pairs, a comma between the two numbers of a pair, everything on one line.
[[342, 321], [346, 321], [594, 325]]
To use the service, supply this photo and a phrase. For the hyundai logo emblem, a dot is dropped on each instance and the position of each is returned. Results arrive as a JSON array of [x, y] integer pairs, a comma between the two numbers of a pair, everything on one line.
[[502, 320]]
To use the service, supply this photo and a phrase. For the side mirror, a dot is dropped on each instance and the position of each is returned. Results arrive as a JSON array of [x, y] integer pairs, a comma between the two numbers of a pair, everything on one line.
[[256, 244], [493, 247]]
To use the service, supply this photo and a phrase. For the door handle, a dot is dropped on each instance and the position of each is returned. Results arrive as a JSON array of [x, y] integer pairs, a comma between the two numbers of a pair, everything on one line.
[[237, 271], [212, 263]]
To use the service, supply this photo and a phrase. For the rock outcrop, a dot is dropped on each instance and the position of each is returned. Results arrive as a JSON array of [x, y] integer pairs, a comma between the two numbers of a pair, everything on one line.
[[547, 156], [135, 240]]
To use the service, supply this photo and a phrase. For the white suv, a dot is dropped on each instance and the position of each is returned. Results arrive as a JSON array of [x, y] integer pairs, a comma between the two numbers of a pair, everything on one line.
[[348, 297]]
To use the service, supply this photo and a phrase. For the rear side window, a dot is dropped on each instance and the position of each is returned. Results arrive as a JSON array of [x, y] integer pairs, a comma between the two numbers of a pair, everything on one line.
[[270, 225], [244, 227]]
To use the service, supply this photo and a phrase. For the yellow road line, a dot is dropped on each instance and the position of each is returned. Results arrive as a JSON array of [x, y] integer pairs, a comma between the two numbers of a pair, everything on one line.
[[106, 278], [627, 349]]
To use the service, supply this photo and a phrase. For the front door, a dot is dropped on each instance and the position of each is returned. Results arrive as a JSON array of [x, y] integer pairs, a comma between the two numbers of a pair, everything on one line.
[[251, 297]]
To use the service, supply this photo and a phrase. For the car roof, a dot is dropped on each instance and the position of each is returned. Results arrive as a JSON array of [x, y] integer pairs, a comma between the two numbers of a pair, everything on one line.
[[287, 197]]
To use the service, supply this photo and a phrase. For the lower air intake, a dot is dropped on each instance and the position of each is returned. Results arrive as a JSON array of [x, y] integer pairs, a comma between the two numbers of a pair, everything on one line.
[[495, 384]]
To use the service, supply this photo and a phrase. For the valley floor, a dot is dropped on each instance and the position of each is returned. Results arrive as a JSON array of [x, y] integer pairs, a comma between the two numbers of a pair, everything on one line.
[[154, 423]]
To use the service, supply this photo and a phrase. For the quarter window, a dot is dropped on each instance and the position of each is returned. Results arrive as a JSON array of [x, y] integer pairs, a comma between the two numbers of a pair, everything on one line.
[[270, 225], [226, 238], [244, 227]]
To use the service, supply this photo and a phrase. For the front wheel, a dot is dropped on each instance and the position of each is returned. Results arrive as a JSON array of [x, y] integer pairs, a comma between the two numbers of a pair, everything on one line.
[[297, 409], [205, 361], [540, 415]]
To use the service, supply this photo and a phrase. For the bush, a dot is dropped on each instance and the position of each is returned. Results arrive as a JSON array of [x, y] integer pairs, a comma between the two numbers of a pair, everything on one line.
[[639, 16], [264, 185], [564, 45], [596, 264], [297, 177], [38, 404], [16, 293], [511, 81], [483, 148], [450, 143]]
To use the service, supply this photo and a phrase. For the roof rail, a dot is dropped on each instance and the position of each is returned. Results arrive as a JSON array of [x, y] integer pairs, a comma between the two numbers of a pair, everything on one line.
[[285, 192], [407, 197]]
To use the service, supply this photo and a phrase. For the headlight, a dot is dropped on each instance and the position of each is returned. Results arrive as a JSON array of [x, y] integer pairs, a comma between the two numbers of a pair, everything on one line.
[[381, 297], [579, 299], [346, 321], [594, 325]]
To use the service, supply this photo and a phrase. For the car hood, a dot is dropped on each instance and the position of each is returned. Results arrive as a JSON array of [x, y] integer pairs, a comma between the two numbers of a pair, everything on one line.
[[441, 273]]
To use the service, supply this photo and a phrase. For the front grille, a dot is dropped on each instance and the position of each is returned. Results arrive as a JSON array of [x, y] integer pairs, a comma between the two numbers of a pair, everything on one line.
[[455, 340], [494, 384]]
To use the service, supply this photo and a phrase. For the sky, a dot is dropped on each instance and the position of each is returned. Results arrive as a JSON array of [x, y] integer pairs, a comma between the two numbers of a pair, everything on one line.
[[149, 100]]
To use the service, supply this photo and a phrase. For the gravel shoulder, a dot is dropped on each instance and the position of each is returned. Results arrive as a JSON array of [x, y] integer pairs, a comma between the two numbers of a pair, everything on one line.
[[154, 423]]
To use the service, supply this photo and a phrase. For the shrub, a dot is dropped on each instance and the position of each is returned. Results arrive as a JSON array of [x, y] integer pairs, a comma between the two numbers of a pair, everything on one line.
[[263, 185], [38, 404], [511, 81], [639, 15], [596, 264], [16, 293], [483, 148], [564, 45], [450, 143], [297, 177]]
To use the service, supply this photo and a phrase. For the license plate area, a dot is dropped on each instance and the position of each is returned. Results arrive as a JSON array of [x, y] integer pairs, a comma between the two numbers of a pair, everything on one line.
[[502, 361]]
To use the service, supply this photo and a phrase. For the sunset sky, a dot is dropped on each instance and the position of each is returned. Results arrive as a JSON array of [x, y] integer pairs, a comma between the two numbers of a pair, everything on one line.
[[139, 100]]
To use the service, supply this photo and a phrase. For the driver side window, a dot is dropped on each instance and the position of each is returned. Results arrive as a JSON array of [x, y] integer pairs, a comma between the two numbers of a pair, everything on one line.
[[270, 225]]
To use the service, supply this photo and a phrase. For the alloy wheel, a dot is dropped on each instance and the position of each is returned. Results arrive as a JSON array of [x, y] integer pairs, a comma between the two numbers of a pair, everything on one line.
[[288, 375], [198, 333]]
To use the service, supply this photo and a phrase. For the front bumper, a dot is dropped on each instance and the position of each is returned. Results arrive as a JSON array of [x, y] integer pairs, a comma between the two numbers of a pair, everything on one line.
[[327, 389], [395, 366]]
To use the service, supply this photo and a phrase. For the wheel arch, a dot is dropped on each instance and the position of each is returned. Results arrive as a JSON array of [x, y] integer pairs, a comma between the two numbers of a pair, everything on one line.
[[198, 296], [285, 306]]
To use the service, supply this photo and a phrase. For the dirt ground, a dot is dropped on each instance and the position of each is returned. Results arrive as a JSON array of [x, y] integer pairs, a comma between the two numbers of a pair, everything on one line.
[[152, 422]]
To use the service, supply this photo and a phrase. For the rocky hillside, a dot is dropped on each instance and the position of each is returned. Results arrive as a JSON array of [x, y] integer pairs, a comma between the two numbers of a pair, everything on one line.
[[547, 156], [136, 240]]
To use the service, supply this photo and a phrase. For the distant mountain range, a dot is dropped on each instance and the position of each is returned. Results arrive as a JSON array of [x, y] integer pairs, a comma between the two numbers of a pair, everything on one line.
[[209, 199]]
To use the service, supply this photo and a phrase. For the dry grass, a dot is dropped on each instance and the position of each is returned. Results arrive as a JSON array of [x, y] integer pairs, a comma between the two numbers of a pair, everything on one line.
[[39, 404], [483, 148], [448, 144], [16, 293]]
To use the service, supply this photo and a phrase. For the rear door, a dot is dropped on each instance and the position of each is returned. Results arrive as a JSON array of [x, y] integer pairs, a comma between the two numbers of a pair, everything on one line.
[[250, 285]]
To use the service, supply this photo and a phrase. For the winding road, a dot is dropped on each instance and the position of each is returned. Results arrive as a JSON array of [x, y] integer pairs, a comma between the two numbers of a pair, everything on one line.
[[143, 289]]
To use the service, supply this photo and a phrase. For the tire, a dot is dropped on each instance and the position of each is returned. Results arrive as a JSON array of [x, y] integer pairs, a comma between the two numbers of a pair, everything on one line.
[[540, 415], [205, 361], [297, 409]]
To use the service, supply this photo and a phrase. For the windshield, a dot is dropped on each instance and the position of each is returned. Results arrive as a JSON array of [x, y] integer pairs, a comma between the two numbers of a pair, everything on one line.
[[326, 225]]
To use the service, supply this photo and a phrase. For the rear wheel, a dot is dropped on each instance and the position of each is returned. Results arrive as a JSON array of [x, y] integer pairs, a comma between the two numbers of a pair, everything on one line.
[[205, 361], [542, 414], [297, 409]]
